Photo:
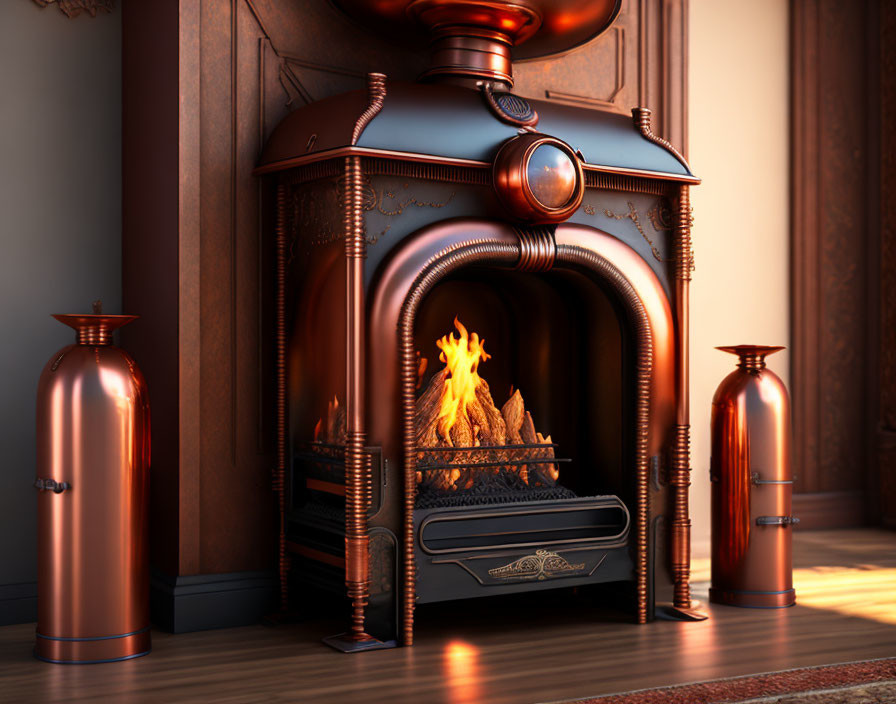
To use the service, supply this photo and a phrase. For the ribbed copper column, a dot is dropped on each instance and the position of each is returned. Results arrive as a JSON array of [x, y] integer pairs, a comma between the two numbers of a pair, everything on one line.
[[681, 463], [280, 335], [357, 491]]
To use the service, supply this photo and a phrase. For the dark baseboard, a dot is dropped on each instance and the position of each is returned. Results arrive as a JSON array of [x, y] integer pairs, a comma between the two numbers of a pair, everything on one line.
[[205, 601], [18, 603], [834, 509]]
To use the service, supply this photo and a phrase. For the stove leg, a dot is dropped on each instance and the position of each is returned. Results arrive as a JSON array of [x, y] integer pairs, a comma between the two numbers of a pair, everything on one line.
[[346, 643]]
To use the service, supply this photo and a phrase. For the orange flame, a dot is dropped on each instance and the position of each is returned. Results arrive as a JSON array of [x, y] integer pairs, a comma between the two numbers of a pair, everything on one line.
[[461, 356]]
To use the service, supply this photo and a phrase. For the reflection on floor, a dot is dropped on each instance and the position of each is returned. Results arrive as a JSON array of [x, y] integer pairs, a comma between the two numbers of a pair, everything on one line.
[[547, 647]]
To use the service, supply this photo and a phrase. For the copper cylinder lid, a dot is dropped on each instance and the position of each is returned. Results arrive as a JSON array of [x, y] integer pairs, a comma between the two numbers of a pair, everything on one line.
[[94, 328], [481, 38], [751, 356]]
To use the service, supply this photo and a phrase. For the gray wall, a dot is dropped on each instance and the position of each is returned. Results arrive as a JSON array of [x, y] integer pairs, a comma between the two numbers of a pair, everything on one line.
[[60, 232]]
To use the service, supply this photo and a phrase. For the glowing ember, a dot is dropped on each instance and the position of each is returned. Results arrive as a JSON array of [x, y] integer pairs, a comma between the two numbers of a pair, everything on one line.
[[461, 356]]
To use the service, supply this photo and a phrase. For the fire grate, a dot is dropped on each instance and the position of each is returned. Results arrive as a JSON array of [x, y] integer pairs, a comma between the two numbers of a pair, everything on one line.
[[324, 461], [467, 476]]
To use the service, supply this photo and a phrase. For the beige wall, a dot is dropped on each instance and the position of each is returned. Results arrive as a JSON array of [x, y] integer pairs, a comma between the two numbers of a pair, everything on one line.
[[739, 144]]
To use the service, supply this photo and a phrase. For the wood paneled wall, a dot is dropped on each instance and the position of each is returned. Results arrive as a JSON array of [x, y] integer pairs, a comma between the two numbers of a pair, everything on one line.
[[205, 83], [843, 307]]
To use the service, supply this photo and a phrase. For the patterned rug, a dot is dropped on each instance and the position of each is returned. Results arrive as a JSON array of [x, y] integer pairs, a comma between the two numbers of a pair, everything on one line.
[[869, 682]]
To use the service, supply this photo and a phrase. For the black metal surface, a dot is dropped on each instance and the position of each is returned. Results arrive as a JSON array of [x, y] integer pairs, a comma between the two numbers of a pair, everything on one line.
[[777, 520], [469, 552], [454, 122], [486, 494], [488, 475]]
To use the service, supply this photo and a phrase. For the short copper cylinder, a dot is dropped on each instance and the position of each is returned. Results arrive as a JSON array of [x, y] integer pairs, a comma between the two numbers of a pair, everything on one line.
[[92, 504], [752, 485]]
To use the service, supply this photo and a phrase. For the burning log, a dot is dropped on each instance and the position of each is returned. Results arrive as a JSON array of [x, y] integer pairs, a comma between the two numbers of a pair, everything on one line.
[[421, 369], [461, 433], [426, 417], [492, 428], [513, 412], [456, 410], [527, 431], [336, 432], [550, 470]]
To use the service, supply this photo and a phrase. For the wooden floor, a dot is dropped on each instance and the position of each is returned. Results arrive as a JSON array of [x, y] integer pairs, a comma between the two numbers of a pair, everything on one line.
[[492, 651]]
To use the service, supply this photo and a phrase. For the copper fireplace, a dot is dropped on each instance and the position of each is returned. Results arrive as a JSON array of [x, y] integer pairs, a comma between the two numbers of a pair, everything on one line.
[[482, 325]]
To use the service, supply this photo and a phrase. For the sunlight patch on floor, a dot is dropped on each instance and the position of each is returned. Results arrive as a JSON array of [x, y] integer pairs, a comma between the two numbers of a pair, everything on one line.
[[865, 591]]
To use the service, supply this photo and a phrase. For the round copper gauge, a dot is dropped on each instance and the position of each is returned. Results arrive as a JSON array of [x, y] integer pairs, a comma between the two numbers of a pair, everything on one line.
[[539, 179]]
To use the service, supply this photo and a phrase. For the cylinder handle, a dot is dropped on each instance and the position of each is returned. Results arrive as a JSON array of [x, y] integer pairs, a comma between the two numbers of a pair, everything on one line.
[[51, 485], [777, 520], [757, 481]]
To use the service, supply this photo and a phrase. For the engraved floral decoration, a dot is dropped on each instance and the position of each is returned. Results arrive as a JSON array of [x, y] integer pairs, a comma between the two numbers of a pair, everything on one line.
[[659, 215], [314, 204], [544, 564]]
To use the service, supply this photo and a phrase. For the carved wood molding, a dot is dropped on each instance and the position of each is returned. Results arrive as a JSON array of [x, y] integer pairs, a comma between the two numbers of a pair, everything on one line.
[[73, 8], [642, 61]]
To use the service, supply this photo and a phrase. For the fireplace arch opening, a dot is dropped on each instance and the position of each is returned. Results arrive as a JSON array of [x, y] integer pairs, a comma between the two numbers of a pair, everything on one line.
[[601, 317]]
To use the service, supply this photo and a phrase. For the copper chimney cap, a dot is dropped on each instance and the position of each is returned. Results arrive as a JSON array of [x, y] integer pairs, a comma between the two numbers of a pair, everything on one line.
[[479, 39]]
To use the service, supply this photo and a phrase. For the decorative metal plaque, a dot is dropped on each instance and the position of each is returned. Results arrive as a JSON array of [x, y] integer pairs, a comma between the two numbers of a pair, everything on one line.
[[544, 564]]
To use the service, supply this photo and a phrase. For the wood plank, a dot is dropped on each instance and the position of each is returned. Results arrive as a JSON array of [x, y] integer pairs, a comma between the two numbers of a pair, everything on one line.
[[550, 647]]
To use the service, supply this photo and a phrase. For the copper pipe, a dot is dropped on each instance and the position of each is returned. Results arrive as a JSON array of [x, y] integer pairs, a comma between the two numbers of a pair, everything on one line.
[[473, 53], [357, 464], [641, 118], [538, 250], [376, 95], [280, 336], [356, 480], [681, 469]]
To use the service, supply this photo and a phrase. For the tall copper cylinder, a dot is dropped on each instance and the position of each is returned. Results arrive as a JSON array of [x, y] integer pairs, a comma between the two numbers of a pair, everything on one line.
[[92, 485], [752, 486]]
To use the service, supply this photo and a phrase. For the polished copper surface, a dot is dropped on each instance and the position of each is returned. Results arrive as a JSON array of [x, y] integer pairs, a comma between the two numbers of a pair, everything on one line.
[[641, 118], [538, 178], [357, 463], [376, 95], [538, 249], [94, 328], [752, 484], [357, 479], [467, 52], [681, 469], [535, 28], [93, 479]]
